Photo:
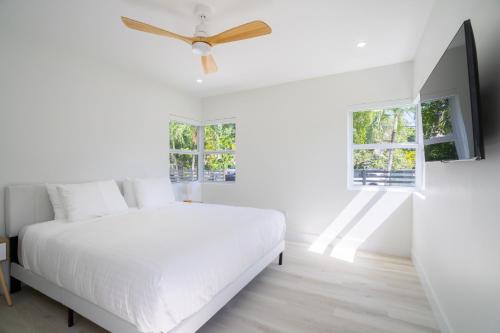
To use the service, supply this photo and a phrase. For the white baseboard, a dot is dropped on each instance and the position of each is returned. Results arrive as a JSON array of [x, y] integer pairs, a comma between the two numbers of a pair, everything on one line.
[[300, 237], [437, 309], [309, 238]]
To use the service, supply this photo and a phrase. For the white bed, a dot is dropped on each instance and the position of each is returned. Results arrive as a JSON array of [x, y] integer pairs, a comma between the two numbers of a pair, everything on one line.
[[167, 269]]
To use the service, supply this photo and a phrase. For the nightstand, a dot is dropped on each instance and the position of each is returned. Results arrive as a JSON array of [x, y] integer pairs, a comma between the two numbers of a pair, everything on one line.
[[4, 255]]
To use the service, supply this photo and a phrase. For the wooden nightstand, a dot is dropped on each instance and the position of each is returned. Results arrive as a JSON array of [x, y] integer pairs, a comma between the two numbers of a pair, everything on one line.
[[4, 255]]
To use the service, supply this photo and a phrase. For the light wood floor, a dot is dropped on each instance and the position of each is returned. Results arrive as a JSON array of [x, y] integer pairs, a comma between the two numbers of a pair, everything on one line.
[[309, 293]]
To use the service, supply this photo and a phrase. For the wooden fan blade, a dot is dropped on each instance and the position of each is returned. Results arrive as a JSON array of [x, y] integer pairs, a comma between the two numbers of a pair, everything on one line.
[[208, 63], [136, 25], [244, 31]]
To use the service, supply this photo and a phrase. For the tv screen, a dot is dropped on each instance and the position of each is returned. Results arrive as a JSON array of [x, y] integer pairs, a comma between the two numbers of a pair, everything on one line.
[[450, 103]]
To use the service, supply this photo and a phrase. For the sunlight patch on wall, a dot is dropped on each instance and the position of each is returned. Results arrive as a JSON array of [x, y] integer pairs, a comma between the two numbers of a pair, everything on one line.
[[381, 210], [419, 195], [341, 222]]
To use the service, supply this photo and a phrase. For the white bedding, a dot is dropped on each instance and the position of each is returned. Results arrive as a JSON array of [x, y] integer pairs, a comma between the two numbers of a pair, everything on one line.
[[153, 268]]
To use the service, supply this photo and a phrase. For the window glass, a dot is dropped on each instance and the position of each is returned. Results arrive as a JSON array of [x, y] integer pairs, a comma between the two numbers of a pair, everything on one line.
[[437, 126], [220, 167], [394, 125], [220, 137], [436, 121], [183, 167], [384, 167], [441, 151], [183, 136], [184, 154]]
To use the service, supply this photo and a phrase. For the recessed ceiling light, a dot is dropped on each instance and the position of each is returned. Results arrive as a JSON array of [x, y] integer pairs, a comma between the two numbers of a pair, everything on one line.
[[361, 44], [199, 80]]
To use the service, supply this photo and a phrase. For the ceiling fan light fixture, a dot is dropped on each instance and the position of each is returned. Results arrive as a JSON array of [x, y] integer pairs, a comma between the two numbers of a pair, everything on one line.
[[201, 48]]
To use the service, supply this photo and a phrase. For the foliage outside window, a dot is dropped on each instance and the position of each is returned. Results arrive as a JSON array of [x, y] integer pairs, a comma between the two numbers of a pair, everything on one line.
[[183, 152], [219, 153], [437, 127], [215, 157], [383, 147]]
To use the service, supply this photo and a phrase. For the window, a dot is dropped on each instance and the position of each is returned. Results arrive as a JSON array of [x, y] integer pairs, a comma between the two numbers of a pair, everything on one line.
[[383, 147], [219, 153], [438, 123], [183, 152], [212, 161]]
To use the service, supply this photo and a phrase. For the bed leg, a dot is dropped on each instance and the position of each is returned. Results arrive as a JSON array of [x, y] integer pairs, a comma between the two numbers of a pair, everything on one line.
[[15, 285], [71, 318], [281, 259]]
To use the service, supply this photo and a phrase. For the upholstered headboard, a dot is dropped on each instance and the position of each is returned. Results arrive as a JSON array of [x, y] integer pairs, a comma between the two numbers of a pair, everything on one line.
[[24, 205], [29, 203]]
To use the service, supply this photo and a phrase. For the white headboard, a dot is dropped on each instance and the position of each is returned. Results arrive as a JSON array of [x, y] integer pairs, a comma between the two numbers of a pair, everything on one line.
[[24, 205], [29, 203]]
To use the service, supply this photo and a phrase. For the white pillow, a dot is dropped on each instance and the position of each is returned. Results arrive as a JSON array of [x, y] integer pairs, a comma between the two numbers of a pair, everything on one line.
[[55, 200], [153, 192], [113, 198], [129, 193], [90, 200]]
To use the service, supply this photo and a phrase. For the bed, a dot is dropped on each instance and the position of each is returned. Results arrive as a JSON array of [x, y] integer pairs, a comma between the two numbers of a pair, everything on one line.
[[167, 269]]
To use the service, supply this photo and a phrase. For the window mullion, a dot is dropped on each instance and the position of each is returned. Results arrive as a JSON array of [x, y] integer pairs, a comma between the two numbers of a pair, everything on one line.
[[201, 153], [219, 152], [385, 146], [440, 139], [183, 152]]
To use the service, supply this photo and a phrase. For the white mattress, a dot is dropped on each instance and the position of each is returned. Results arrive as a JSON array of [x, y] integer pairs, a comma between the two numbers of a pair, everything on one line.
[[153, 268]]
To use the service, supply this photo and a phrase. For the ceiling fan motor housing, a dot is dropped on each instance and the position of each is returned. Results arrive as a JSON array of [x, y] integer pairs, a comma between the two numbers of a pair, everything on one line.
[[201, 30]]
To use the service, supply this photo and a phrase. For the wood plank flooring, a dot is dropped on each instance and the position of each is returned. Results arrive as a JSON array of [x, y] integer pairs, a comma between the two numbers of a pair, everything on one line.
[[309, 293]]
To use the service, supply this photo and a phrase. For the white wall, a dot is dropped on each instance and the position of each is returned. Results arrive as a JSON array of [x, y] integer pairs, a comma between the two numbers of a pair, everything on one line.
[[292, 148], [456, 221], [66, 118]]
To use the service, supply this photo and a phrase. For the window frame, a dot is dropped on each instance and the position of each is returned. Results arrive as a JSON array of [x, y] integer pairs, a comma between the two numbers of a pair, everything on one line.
[[417, 145], [196, 152], [454, 104], [223, 151], [201, 152]]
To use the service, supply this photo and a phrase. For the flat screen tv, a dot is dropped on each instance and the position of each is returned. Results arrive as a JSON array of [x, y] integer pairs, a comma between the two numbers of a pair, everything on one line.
[[450, 103]]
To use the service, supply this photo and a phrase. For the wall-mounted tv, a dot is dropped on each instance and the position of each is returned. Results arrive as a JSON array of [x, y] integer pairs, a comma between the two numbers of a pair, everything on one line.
[[450, 103]]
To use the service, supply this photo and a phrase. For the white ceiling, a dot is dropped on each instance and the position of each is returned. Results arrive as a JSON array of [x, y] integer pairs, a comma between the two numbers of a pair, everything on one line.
[[310, 38]]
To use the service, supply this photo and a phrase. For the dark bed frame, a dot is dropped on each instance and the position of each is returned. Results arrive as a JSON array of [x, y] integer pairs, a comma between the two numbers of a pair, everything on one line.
[[15, 284]]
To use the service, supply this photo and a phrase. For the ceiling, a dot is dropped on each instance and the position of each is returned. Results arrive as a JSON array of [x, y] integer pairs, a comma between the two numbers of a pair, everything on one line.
[[310, 38]]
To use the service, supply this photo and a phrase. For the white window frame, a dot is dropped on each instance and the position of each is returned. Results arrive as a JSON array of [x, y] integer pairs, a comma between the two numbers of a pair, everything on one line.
[[206, 152], [199, 127], [201, 152], [457, 123], [417, 145]]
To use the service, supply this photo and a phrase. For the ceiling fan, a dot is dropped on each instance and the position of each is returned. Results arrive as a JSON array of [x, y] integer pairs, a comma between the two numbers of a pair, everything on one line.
[[201, 42]]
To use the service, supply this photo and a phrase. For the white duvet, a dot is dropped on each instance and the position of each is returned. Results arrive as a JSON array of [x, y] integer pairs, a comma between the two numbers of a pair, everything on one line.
[[152, 268]]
